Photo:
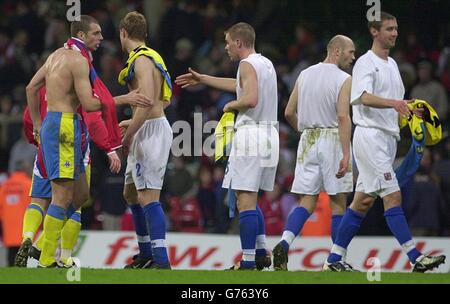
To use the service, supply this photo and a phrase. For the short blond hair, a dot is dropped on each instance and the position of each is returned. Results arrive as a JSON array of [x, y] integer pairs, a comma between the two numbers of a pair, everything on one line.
[[135, 25], [244, 32]]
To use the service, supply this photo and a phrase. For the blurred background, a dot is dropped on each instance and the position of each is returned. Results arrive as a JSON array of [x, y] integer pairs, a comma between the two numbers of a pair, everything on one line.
[[189, 33]]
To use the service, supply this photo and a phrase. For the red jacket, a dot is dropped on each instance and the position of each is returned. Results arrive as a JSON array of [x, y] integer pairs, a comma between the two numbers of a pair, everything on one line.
[[104, 132]]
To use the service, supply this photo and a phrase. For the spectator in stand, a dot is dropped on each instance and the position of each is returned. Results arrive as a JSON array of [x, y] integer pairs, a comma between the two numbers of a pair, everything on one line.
[[431, 90]]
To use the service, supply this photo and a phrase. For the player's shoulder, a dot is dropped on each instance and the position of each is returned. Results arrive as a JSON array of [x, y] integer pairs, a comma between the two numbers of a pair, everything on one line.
[[143, 63], [364, 62], [365, 58], [392, 61]]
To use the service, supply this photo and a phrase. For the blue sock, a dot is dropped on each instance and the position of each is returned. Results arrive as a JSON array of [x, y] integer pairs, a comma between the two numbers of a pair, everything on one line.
[[140, 226], [396, 221], [157, 223], [349, 226], [261, 231], [70, 210], [248, 227], [56, 212], [335, 222], [296, 220]]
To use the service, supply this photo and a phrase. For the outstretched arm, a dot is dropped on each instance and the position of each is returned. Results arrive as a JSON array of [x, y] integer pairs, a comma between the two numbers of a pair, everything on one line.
[[194, 78], [134, 98]]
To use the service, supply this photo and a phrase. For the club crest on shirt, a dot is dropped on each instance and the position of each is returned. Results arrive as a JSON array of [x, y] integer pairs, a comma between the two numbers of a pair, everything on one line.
[[387, 176]]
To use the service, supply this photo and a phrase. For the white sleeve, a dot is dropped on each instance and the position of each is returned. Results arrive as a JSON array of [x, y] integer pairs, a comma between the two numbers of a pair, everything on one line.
[[362, 81]]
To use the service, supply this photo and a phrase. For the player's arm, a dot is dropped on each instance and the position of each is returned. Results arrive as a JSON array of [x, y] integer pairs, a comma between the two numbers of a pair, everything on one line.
[[363, 88], [149, 80], [133, 98], [32, 90], [194, 78], [370, 100], [344, 125], [83, 89], [249, 98], [291, 109]]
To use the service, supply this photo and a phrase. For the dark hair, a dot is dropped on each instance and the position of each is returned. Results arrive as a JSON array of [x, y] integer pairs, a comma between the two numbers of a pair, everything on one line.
[[135, 25], [244, 32], [84, 25], [377, 24]]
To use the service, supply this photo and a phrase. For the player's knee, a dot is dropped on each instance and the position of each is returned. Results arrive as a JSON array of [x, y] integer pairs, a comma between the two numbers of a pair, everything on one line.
[[338, 208], [392, 200], [81, 198], [363, 205], [130, 196]]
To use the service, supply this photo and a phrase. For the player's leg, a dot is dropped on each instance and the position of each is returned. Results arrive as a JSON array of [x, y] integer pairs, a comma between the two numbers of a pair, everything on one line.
[[140, 225], [156, 221], [72, 227], [338, 205], [32, 219], [72, 223], [349, 226], [307, 183], [262, 258], [294, 224], [248, 227], [150, 150], [62, 196], [396, 221]]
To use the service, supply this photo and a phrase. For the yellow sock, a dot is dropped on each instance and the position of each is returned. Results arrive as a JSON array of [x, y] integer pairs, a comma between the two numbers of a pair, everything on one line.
[[40, 241], [69, 236], [31, 221], [53, 224]]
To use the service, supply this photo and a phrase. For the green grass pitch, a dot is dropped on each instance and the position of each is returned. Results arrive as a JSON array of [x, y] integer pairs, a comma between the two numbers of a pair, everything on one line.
[[119, 276]]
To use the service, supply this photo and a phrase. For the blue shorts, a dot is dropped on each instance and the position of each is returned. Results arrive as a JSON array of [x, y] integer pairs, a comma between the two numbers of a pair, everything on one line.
[[41, 186], [61, 145]]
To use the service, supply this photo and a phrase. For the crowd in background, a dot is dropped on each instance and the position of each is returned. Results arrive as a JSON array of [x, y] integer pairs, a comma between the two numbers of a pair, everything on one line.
[[189, 33]]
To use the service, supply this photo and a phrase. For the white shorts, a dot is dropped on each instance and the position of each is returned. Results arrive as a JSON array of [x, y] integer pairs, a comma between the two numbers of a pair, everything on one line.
[[374, 152], [318, 155], [253, 159], [149, 153]]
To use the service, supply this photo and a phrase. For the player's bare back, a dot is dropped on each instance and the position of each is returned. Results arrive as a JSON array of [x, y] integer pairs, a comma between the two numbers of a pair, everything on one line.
[[153, 80]]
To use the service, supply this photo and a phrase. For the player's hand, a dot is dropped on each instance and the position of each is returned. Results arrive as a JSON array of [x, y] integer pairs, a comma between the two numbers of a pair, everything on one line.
[[123, 125], [227, 108], [419, 112], [137, 99], [343, 167], [189, 79], [37, 136], [401, 106], [114, 162]]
